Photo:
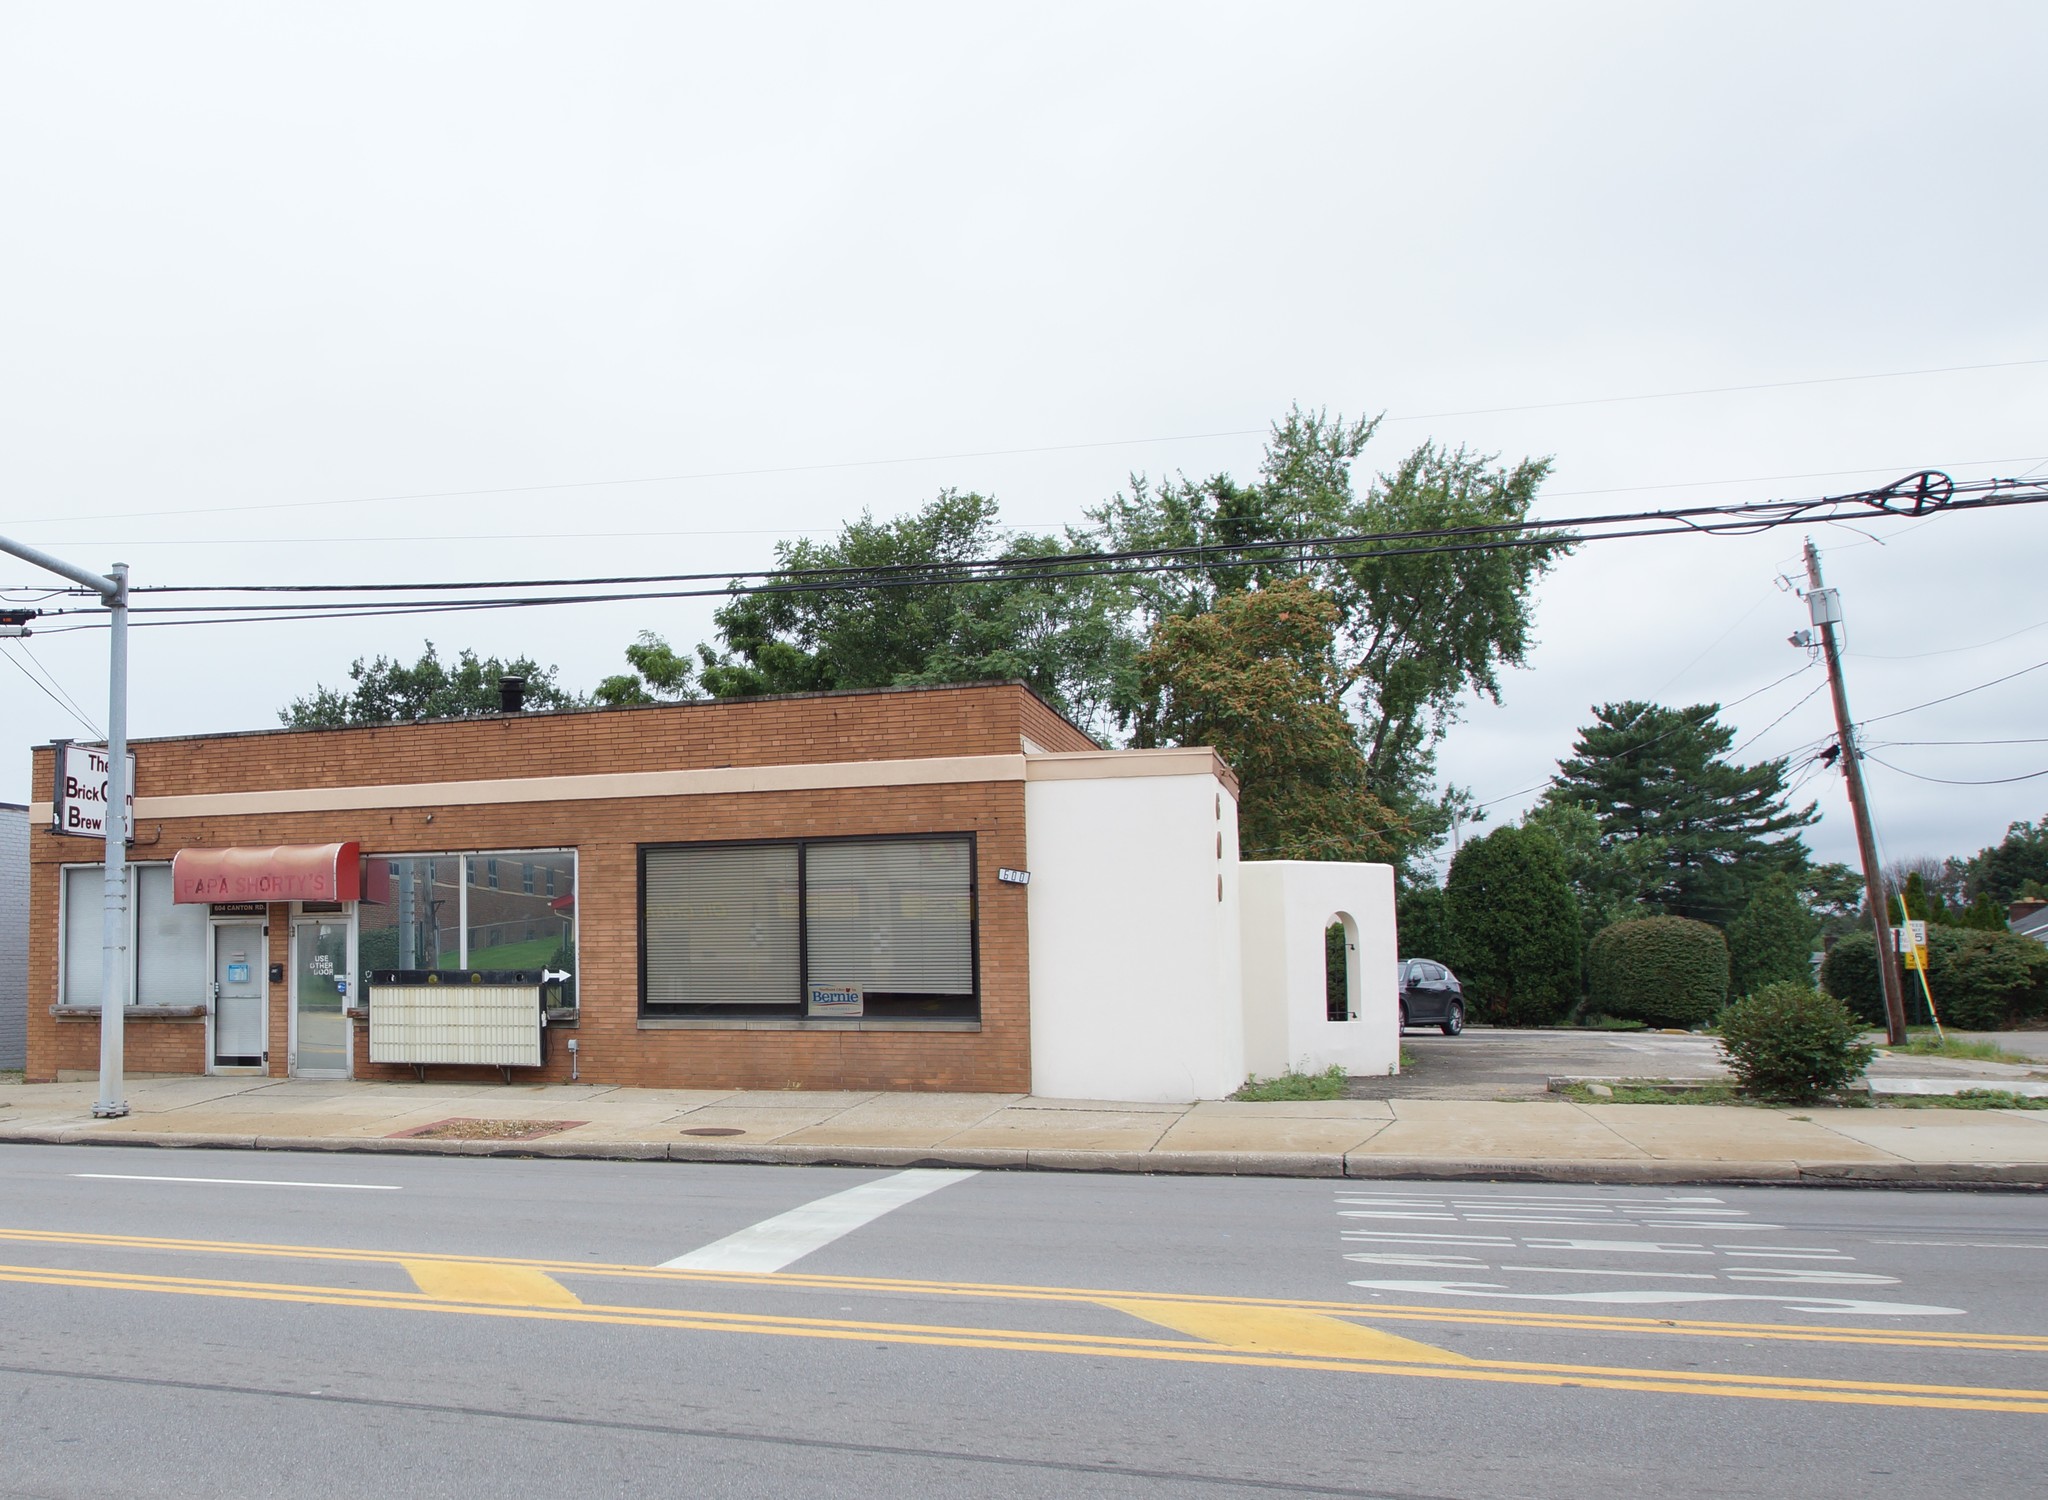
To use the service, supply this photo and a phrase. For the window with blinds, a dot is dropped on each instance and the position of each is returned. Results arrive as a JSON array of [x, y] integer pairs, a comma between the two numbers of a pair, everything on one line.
[[745, 929], [720, 926], [893, 916]]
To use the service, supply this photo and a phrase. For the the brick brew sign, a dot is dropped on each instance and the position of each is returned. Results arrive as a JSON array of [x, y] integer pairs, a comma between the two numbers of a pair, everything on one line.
[[81, 801]]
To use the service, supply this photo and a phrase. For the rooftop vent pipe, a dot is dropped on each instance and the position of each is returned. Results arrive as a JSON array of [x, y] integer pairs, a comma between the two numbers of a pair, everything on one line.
[[511, 694]]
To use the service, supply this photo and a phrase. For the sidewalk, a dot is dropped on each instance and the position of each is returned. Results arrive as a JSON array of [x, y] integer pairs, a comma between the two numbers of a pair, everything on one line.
[[1548, 1141]]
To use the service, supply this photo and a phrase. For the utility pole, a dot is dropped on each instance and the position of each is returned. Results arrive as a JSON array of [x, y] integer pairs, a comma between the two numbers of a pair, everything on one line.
[[1825, 607], [113, 592]]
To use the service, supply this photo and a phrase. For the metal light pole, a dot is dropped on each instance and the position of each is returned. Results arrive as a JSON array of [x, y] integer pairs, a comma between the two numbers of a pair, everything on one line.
[[113, 591]]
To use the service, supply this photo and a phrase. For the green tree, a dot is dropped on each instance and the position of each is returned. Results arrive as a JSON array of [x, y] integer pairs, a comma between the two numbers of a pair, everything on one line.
[[1251, 678], [1513, 926], [2006, 870], [1415, 631], [1834, 894], [1423, 922], [1065, 634], [1773, 940], [1607, 877], [660, 675], [386, 691], [1652, 773]]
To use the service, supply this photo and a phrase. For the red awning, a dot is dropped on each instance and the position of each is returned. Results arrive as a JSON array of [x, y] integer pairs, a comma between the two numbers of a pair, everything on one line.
[[288, 872]]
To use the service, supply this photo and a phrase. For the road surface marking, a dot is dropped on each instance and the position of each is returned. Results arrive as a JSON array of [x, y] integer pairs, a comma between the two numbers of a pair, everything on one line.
[[772, 1244], [1506, 1372], [353, 1187], [1625, 1247], [511, 1286], [1462, 1314], [1647, 1297], [1272, 1330]]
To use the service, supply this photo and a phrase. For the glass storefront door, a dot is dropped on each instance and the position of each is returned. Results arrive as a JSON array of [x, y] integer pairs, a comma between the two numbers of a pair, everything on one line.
[[322, 1036]]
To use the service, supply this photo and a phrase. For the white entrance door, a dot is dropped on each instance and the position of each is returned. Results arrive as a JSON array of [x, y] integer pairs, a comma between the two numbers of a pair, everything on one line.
[[322, 1036], [241, 994]]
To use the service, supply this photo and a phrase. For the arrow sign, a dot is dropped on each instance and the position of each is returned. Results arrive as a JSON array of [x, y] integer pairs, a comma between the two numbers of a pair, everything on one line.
[[548, 976]]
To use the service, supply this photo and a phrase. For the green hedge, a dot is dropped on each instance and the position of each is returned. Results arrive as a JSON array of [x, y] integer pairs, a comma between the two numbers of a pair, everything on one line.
[[1666, 971], [1982, 981]]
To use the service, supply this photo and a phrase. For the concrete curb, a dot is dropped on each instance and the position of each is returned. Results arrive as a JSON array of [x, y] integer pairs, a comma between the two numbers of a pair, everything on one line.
[[1356, 1166]]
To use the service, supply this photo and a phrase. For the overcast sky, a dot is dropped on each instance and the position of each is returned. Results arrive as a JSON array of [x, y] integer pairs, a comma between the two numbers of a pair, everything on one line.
[[626, 287]]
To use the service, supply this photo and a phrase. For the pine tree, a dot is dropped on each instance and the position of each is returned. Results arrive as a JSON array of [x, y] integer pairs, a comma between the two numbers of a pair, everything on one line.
[[1651, 773]]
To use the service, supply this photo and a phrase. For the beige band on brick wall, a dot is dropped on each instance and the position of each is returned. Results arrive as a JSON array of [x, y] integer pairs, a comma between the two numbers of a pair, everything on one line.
[[705, 782]]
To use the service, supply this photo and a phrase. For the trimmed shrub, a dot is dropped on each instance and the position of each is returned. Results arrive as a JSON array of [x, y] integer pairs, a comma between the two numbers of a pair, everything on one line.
[[1513, 928], [1772, 941], [1982, 981], [1790, 1042], [1666, 971]]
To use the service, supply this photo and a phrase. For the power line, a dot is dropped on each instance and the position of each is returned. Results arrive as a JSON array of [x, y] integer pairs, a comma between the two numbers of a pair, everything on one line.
[[68, 708], [1951, 697], [1020, 526], [52, 679], [1916, 494], [1945, 781], [869, 463], [1667, 734], [1788, 713], [1890, 744], [1950, 650]]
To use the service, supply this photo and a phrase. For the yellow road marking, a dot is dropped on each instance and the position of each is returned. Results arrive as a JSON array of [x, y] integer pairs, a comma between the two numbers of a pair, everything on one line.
[[515, 1286], [1281, 1330], [1693, 1383], [1887, 1337]]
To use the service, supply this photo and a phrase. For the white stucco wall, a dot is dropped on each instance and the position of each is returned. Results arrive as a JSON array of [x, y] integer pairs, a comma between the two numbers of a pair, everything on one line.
[[1133, 908], [1287, 905]]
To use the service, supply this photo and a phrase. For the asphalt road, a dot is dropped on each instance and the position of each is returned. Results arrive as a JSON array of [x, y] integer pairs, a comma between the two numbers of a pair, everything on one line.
[[225, 1324]]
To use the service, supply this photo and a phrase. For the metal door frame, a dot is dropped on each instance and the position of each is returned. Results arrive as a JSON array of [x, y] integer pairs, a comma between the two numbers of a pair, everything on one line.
[[213, 927], [298, 918]]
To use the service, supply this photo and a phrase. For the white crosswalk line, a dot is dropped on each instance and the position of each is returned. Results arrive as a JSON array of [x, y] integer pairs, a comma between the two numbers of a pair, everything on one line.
[[775, 1243]]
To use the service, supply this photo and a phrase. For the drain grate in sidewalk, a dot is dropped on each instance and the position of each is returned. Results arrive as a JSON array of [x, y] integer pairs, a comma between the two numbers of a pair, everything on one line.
[[460, 1129]]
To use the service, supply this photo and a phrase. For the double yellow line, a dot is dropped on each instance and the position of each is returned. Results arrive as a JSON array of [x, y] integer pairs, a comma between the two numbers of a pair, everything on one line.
[[1245, 1332]]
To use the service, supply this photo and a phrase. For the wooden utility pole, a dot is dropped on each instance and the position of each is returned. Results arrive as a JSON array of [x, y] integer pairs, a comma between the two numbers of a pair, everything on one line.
[[1826, 609]]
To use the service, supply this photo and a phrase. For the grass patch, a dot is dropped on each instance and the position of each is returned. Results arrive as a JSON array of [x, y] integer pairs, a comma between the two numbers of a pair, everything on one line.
[[1609, 1023], [1927, 1044], [1967, 1099], [1292, 1087], [1626, 1092]]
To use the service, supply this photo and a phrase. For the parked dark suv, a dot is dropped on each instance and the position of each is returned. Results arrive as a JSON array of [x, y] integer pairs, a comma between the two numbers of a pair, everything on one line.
[[1431, 996]]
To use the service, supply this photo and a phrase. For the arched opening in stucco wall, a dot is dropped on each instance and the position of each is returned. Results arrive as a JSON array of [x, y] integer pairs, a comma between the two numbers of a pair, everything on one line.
[[1340, 967]]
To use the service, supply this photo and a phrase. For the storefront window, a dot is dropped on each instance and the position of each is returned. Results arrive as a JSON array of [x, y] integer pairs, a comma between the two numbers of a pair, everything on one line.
[[449, 911], [166, 941], [747, 929]]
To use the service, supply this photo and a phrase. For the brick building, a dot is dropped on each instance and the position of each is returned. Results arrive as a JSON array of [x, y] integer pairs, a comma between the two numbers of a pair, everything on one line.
[[718, 879]]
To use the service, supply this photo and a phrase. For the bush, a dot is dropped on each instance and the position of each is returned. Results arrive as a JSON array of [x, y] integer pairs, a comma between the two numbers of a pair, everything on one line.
[[1789, 1042], [1981, 981], [1512, 925], [1666, 971]]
